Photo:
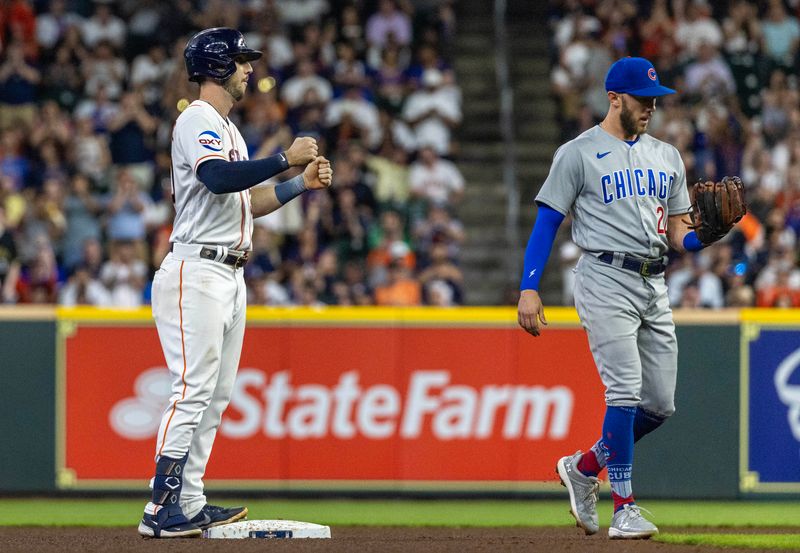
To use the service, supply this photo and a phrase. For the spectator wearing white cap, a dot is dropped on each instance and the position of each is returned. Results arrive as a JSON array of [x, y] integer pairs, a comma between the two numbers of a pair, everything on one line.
[[432, 112]]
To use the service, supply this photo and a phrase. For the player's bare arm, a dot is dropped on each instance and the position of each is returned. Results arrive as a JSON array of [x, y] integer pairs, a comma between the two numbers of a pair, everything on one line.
[[678, 226], [267, 198]]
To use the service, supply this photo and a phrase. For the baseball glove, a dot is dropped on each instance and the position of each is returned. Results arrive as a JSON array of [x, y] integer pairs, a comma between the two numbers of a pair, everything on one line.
[[716, 207]]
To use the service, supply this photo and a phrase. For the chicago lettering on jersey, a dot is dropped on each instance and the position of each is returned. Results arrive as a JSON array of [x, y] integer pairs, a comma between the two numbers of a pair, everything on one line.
[[627, 183]]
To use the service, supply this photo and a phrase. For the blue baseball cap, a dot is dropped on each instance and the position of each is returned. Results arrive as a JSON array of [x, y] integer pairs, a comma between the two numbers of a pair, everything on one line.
[[635, 76]]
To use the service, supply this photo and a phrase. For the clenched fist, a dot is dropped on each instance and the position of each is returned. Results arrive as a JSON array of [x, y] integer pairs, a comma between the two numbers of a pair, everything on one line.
[[303, 150], [318, 174]]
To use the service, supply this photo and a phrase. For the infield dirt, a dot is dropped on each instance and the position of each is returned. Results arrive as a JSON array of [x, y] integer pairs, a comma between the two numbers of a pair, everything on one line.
[[349, 540]]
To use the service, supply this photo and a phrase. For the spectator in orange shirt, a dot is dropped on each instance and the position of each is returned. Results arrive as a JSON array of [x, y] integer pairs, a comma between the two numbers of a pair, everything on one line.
[[780, 294], [401, 288]]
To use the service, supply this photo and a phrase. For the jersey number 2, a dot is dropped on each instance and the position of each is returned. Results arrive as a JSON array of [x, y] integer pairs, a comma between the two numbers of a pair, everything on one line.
[[662, 220]]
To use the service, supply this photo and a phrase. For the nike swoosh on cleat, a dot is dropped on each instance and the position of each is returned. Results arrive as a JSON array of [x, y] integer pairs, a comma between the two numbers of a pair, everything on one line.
[[601, 156]]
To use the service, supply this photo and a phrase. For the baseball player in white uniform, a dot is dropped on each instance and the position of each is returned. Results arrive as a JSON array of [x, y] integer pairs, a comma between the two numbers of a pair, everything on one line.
[[629, 201], [199, 295]]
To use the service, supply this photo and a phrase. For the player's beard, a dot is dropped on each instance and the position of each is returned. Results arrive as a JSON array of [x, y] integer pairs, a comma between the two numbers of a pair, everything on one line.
[[234, 88], [630, 125]]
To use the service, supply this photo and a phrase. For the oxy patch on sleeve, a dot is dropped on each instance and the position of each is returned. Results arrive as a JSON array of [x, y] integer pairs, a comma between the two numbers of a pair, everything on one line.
[[210, 141]]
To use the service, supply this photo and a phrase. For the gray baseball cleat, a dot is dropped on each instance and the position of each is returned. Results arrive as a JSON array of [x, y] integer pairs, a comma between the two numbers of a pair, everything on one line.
[[628, 523], [583, 493]]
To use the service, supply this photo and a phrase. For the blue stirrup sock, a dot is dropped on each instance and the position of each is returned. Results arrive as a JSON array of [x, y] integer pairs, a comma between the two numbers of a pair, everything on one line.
[[594, 460], [618, 445], [168, 481]]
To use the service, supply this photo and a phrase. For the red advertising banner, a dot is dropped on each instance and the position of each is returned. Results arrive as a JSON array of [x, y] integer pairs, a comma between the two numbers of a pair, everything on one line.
[[337, 403]]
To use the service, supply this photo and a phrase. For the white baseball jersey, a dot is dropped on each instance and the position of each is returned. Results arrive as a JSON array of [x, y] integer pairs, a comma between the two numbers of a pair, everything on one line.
[[202, 217], [621, 195]]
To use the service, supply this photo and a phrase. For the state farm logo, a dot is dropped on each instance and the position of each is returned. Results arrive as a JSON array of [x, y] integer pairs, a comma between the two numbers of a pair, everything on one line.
[[276, 408], [138, 417]]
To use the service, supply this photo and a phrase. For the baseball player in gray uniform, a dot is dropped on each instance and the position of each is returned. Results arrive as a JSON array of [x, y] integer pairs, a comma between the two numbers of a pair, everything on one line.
[[629, 201], [199, 294]]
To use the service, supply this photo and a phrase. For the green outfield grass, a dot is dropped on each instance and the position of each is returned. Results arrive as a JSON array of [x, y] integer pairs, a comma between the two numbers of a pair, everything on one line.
[[456, 513]]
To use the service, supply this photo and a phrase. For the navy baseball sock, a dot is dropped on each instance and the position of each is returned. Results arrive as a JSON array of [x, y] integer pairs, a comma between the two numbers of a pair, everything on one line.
[[168, 481], [645, 422], [618, 444]]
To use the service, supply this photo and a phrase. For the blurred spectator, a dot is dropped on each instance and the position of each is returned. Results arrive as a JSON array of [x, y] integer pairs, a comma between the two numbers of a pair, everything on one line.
[[91, 154], [400, 289], [435, 180], [697, 27], [388, 244], [14, 166], [82, 209], [299, 12], [126, 208], [103, 68], [439, 227], [149, 73], [9, 262], [387, 23], [433, 111], [742, 29], [130, 130], [351, 117], [52, 24], [348, 70], [781, 34], [709, 75], [18, 82], [124, 275], [103, 25], [391, 177], [38, 281], [441, 270], [306, 87], [84, 289]]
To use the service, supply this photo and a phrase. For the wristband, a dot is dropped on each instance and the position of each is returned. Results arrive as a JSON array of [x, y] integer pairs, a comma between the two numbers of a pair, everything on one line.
[[691, 243], [290, 189]]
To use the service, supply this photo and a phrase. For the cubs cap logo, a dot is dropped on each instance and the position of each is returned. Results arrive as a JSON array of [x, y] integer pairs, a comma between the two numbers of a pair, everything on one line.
[[635, 76], [210, 141]]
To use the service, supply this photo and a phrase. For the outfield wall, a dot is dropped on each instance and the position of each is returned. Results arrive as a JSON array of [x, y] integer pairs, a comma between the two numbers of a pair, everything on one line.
[[394, 400]]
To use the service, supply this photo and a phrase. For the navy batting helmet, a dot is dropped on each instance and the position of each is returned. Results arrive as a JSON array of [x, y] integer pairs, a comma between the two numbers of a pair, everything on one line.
[[213, 53]]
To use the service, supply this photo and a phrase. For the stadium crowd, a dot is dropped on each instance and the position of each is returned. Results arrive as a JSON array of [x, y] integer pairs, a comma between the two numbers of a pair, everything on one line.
[[89, 91], [737, 112]]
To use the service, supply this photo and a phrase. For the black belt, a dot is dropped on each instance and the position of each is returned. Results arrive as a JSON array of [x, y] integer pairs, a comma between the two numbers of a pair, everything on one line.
[[234, 260], [641, 266]]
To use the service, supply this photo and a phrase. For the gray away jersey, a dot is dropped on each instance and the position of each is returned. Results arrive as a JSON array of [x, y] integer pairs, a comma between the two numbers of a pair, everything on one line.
[[620, 196]]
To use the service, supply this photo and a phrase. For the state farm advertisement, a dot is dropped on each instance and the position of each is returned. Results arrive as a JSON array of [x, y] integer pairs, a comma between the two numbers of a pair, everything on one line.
[[342, 404]]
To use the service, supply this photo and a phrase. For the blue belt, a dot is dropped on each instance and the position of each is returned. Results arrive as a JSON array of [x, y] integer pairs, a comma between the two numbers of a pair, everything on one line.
[[641, 266]]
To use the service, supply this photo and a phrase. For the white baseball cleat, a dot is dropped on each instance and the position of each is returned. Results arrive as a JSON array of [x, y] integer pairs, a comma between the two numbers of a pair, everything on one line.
[[629, 524], [583, 493]]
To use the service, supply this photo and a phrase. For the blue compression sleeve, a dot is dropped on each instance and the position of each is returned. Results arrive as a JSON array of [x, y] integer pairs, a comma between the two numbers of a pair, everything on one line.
[[539, 246], [691, 243], [224, 177]]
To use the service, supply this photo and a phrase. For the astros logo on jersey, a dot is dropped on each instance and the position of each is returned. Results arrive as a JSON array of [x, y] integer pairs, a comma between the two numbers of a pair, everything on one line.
[[210, 141]]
